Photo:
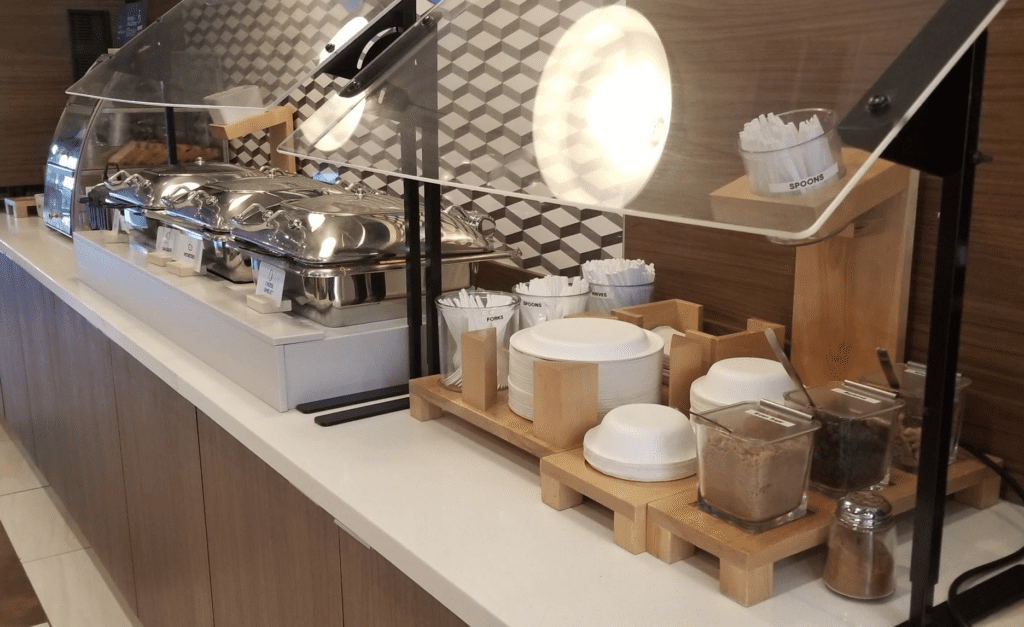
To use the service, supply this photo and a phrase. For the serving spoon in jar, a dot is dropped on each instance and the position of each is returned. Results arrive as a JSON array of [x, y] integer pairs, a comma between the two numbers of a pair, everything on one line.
[[773, 341], [887, 369]]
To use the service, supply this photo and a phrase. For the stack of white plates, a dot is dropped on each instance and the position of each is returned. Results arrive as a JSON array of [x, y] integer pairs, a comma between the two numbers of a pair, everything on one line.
[[628, 358], [642, 443]]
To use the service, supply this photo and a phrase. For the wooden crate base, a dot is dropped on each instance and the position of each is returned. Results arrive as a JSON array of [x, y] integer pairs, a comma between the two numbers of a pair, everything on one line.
[[21, 206], [676, 527], [566, 478], [428, 399]]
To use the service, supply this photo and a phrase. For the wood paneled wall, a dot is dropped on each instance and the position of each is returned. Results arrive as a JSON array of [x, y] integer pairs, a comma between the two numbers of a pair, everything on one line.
[[736, 276], [34, 73]]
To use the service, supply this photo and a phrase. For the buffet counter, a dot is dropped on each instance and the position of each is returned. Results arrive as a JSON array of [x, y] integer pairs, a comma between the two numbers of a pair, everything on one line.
[[460, 513]]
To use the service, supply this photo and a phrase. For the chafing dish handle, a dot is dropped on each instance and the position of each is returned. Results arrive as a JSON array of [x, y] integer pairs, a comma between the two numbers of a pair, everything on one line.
[[313, 407], [365, 411]]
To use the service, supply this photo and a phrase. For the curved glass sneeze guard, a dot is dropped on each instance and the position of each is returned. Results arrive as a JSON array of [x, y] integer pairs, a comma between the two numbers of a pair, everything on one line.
[[248, 54], [629, 107]]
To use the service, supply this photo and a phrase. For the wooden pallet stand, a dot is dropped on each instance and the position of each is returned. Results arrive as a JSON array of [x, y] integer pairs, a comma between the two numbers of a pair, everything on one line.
[[691, 355], [565, 400], [676, 526], [21, 206], [565, 478]]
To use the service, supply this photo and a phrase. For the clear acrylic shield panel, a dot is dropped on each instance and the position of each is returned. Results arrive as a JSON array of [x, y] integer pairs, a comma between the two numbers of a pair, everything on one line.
[[631, 107], [248, 54]]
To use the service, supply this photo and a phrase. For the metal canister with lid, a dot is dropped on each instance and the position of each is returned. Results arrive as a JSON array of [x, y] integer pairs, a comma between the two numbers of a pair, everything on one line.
[[861, 547]]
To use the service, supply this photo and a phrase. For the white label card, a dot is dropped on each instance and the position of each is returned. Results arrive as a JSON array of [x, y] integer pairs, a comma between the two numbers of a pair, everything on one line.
[[919, 373], [189, 250], [770, 418], [270, 282], [165, 240], [859, 397], [817, 180]]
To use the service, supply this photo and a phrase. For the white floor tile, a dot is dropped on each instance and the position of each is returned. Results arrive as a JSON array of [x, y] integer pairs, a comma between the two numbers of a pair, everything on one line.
[[4, 436], [74, 594], [35, 525], [16, 475]]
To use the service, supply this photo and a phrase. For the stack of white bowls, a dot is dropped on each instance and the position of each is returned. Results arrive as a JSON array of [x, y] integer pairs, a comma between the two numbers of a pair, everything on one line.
[[643, 443], [628, 360], [737, 380]]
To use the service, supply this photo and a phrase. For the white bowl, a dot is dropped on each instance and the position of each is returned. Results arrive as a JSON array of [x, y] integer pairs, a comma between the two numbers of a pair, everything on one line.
[[642, 442], [740, 379]]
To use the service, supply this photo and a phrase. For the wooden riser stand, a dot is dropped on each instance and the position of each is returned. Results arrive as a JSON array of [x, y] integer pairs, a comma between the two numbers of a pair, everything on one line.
[[676, 527], [692, 355], [565, 400]]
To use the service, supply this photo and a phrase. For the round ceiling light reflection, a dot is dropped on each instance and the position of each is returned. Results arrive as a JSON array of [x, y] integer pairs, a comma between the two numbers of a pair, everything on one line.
[[333, 123], [603, 108]]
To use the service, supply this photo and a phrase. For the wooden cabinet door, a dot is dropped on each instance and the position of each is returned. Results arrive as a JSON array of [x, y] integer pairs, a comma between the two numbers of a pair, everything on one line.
[[274, 557], [40, 348], [164, 491], [91, 474], [377, 594], [16, 409]]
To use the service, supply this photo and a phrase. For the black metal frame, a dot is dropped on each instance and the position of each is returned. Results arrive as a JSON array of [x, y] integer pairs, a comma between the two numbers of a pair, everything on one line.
[[397, 32], [942, 139]]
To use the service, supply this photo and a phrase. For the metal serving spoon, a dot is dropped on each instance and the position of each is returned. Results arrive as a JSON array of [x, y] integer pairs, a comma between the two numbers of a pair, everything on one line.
[[788, 365], [887, 368]]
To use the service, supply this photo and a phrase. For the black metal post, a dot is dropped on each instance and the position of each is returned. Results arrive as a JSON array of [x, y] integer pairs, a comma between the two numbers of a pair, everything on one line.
[[172, 139], [432, 208], [413, 265], [943, 350]]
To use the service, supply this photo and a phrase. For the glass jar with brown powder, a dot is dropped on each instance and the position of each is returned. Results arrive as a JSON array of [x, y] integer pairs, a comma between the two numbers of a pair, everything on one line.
[[753, 461]]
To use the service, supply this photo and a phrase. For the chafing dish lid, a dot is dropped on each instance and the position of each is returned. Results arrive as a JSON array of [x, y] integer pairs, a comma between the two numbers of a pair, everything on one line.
[[347, 227], [212, 206], [151, 186]]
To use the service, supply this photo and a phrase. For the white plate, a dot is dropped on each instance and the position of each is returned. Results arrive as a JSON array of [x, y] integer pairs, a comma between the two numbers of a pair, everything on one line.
[[587, 339]]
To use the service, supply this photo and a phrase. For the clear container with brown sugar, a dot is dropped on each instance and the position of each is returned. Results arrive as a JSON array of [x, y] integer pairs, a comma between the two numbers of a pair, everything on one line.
[[853, 449], [861, 547], [753, 461], [906, 452]]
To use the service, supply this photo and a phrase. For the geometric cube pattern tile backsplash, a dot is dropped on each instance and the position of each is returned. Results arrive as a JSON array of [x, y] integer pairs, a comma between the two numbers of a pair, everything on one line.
[[551, 238]]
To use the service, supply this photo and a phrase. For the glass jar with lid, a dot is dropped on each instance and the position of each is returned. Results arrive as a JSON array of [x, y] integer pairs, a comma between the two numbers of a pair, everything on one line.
[[853, 448]]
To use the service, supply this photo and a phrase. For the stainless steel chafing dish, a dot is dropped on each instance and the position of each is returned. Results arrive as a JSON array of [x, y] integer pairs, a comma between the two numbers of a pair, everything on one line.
[[340, 295], [207, 212], [344, 254], [354, 227]]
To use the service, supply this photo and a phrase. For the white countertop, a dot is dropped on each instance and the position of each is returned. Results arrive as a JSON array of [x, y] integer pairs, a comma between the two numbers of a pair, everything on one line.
[[460, 512]]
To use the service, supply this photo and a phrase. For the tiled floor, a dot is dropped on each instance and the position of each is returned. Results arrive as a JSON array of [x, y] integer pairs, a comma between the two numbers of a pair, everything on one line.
[[59, 565]]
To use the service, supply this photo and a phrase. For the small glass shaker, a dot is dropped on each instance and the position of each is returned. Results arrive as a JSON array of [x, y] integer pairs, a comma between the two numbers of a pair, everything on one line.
[[861, 559]]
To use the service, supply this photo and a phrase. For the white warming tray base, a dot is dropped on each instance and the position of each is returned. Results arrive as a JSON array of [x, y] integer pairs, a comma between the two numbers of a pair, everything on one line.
[[280, 358]]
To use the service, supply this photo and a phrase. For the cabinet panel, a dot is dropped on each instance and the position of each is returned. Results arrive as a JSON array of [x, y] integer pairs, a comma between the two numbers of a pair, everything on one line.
[[90, 474], [164, 492], [16, 410], [40, 348], [274, 557], [377, 594]]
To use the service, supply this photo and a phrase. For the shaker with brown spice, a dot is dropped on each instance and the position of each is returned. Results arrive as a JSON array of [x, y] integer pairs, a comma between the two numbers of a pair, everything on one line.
[[861, 547]]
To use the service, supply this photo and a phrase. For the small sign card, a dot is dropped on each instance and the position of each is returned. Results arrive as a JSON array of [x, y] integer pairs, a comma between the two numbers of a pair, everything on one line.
[[270, 283], [189, 251]]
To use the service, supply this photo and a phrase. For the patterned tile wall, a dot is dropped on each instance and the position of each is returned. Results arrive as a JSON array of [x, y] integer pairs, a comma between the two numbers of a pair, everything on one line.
[[551, 238]]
